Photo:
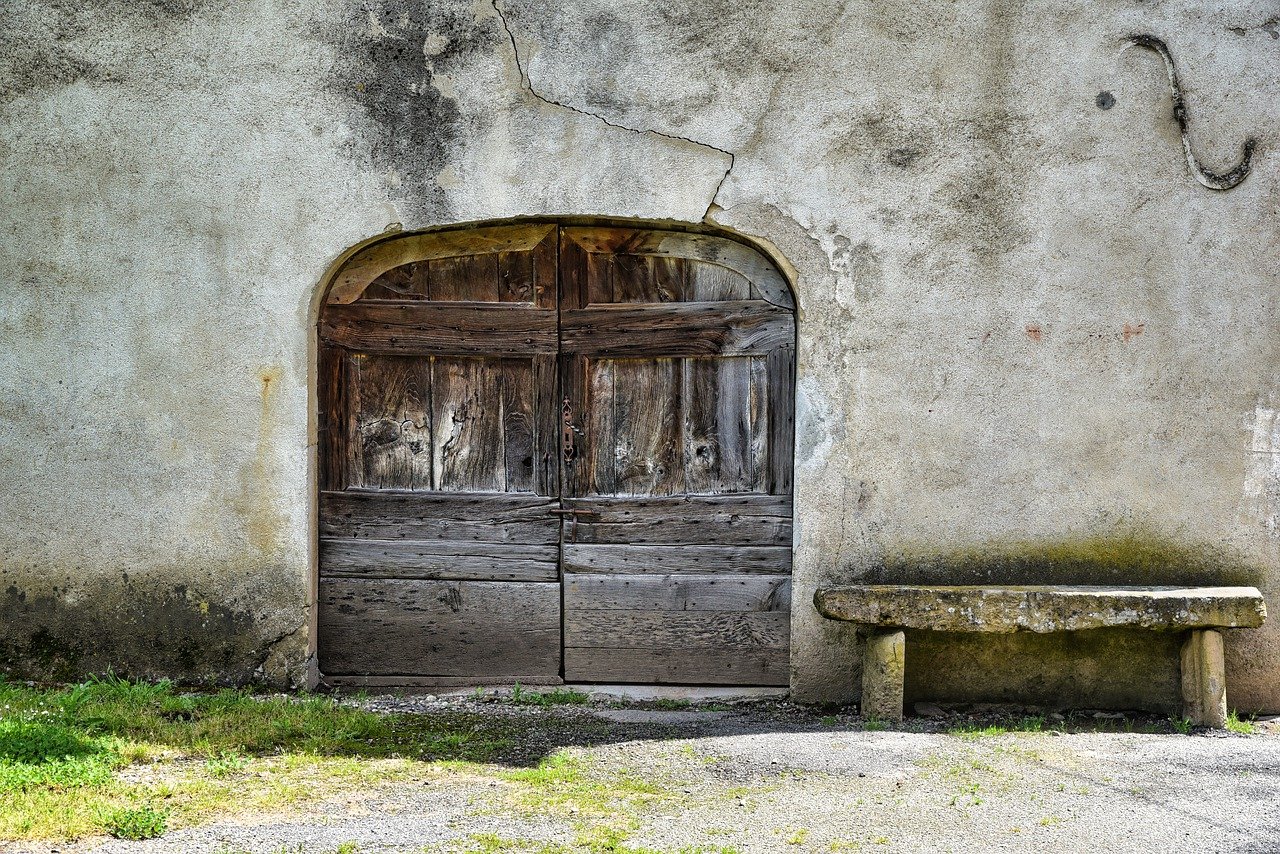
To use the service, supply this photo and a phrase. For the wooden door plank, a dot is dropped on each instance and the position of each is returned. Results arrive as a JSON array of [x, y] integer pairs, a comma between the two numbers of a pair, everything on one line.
[[372, 261], [633, 279], [441, 559], [468, 278], [732, 327], [697, 593], [711, 282], [516, 277], [766, 560], [598, 417], [670, 279], [754, 520], [481, 517], [676, 630], [598, 279], [444, 628], [782, 425], [647, 442], [393, 422], [332, 424], [422, 328], [466, 440], [518, 424], [546, 436], [687, 666]]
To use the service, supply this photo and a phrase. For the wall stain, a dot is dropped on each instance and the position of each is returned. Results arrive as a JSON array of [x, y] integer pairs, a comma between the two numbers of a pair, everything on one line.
[[51, 44], [391, 53], [132, 629]]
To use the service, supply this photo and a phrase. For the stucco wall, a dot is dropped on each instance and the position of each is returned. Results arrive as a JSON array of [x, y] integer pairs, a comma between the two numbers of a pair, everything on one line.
[[1032, 346]]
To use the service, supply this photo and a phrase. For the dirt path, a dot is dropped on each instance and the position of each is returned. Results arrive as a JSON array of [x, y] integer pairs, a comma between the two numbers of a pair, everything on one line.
[[769, 776]]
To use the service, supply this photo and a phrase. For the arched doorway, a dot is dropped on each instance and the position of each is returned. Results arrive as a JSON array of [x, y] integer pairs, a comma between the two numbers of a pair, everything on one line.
[[556, 452]]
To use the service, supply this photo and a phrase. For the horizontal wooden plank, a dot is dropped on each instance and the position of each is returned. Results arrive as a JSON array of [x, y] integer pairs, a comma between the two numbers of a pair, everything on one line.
[[767, 560], [676, 630], [457, 329], [735, 519], [460, 516], [372, 261], [440, 559], [583, 591], [439, 628], [731, 327], [687, 666], [745, 260]]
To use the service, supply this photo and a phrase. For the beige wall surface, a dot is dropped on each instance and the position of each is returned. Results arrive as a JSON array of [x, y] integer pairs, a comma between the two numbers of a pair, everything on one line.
[[1033, 346]]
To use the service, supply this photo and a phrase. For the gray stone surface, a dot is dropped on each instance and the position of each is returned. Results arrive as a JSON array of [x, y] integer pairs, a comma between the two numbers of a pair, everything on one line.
[[1041, 608], [1033, 347]]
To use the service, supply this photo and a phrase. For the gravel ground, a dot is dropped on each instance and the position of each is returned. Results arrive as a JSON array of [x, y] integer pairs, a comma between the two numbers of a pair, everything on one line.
[[770, 776]]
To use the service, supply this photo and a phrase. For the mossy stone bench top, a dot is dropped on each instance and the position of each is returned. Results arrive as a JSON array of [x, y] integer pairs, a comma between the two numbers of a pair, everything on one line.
[[1041, 608]]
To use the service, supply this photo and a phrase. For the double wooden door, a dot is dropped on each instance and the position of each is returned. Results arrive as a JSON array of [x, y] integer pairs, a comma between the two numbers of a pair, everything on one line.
[[553, 452]]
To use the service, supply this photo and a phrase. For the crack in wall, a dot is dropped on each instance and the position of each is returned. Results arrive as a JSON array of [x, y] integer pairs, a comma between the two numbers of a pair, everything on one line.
[[526, 83], [1213, 180]]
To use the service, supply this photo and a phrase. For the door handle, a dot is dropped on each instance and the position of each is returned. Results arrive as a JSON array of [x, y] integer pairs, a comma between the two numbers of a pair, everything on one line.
[[569, 433]]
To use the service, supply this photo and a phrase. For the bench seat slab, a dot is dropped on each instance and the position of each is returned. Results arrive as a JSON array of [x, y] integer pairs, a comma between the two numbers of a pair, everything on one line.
[[1041, 608]]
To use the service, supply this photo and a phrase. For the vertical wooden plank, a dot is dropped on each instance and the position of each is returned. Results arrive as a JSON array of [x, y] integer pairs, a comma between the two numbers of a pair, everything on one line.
[[518, 401], [515, 277], [782, 378], [599, 274], [466, 442], [633, 279], [733, 424], [711, 282], [573, 275], [470, 278], [546, 435], [393, 422], [758, 423], [701, 451], [670, 279], [331, 385], [647, 429], [598, 460], [545, 262], [353, 454]]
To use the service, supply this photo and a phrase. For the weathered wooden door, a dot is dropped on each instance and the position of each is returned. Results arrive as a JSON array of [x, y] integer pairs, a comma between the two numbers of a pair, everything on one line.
[[516, 416], [440, 461], [677, 367]]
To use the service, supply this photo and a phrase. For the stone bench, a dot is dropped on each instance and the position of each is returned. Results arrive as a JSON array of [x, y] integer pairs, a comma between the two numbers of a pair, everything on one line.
[[883, 611]]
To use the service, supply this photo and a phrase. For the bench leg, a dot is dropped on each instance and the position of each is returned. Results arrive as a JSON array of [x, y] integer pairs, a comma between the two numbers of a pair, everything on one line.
[[884, 661], [1204, 679]]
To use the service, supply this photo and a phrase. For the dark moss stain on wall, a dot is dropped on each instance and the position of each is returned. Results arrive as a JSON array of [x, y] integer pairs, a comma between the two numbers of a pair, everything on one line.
[[389, 55], [55, 43], [1133, 558], [131, 629]]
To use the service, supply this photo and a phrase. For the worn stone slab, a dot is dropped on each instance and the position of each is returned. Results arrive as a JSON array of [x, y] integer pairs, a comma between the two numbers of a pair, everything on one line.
[[884, 667], [1041, 608], [1204, 679]]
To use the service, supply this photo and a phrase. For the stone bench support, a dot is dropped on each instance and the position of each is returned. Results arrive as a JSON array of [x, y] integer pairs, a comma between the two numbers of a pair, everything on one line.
[[883, 611]]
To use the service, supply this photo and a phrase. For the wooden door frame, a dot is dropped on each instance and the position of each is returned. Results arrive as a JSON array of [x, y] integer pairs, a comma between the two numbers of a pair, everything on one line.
[[330, 279]]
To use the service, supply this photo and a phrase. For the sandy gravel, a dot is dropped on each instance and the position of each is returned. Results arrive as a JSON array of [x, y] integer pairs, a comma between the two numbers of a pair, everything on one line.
[[769, 776]]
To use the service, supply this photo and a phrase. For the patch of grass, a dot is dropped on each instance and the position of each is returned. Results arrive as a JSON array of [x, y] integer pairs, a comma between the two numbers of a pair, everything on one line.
[[871, 723], [670, 704], [971, 731], [63, 754], [566, 783], [555, 697], [1237, 724], [1181, 725], [798, 837], [135, 822]]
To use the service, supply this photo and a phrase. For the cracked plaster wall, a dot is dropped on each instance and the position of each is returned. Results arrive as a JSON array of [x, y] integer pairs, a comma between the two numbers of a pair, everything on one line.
[[1032, 346]]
